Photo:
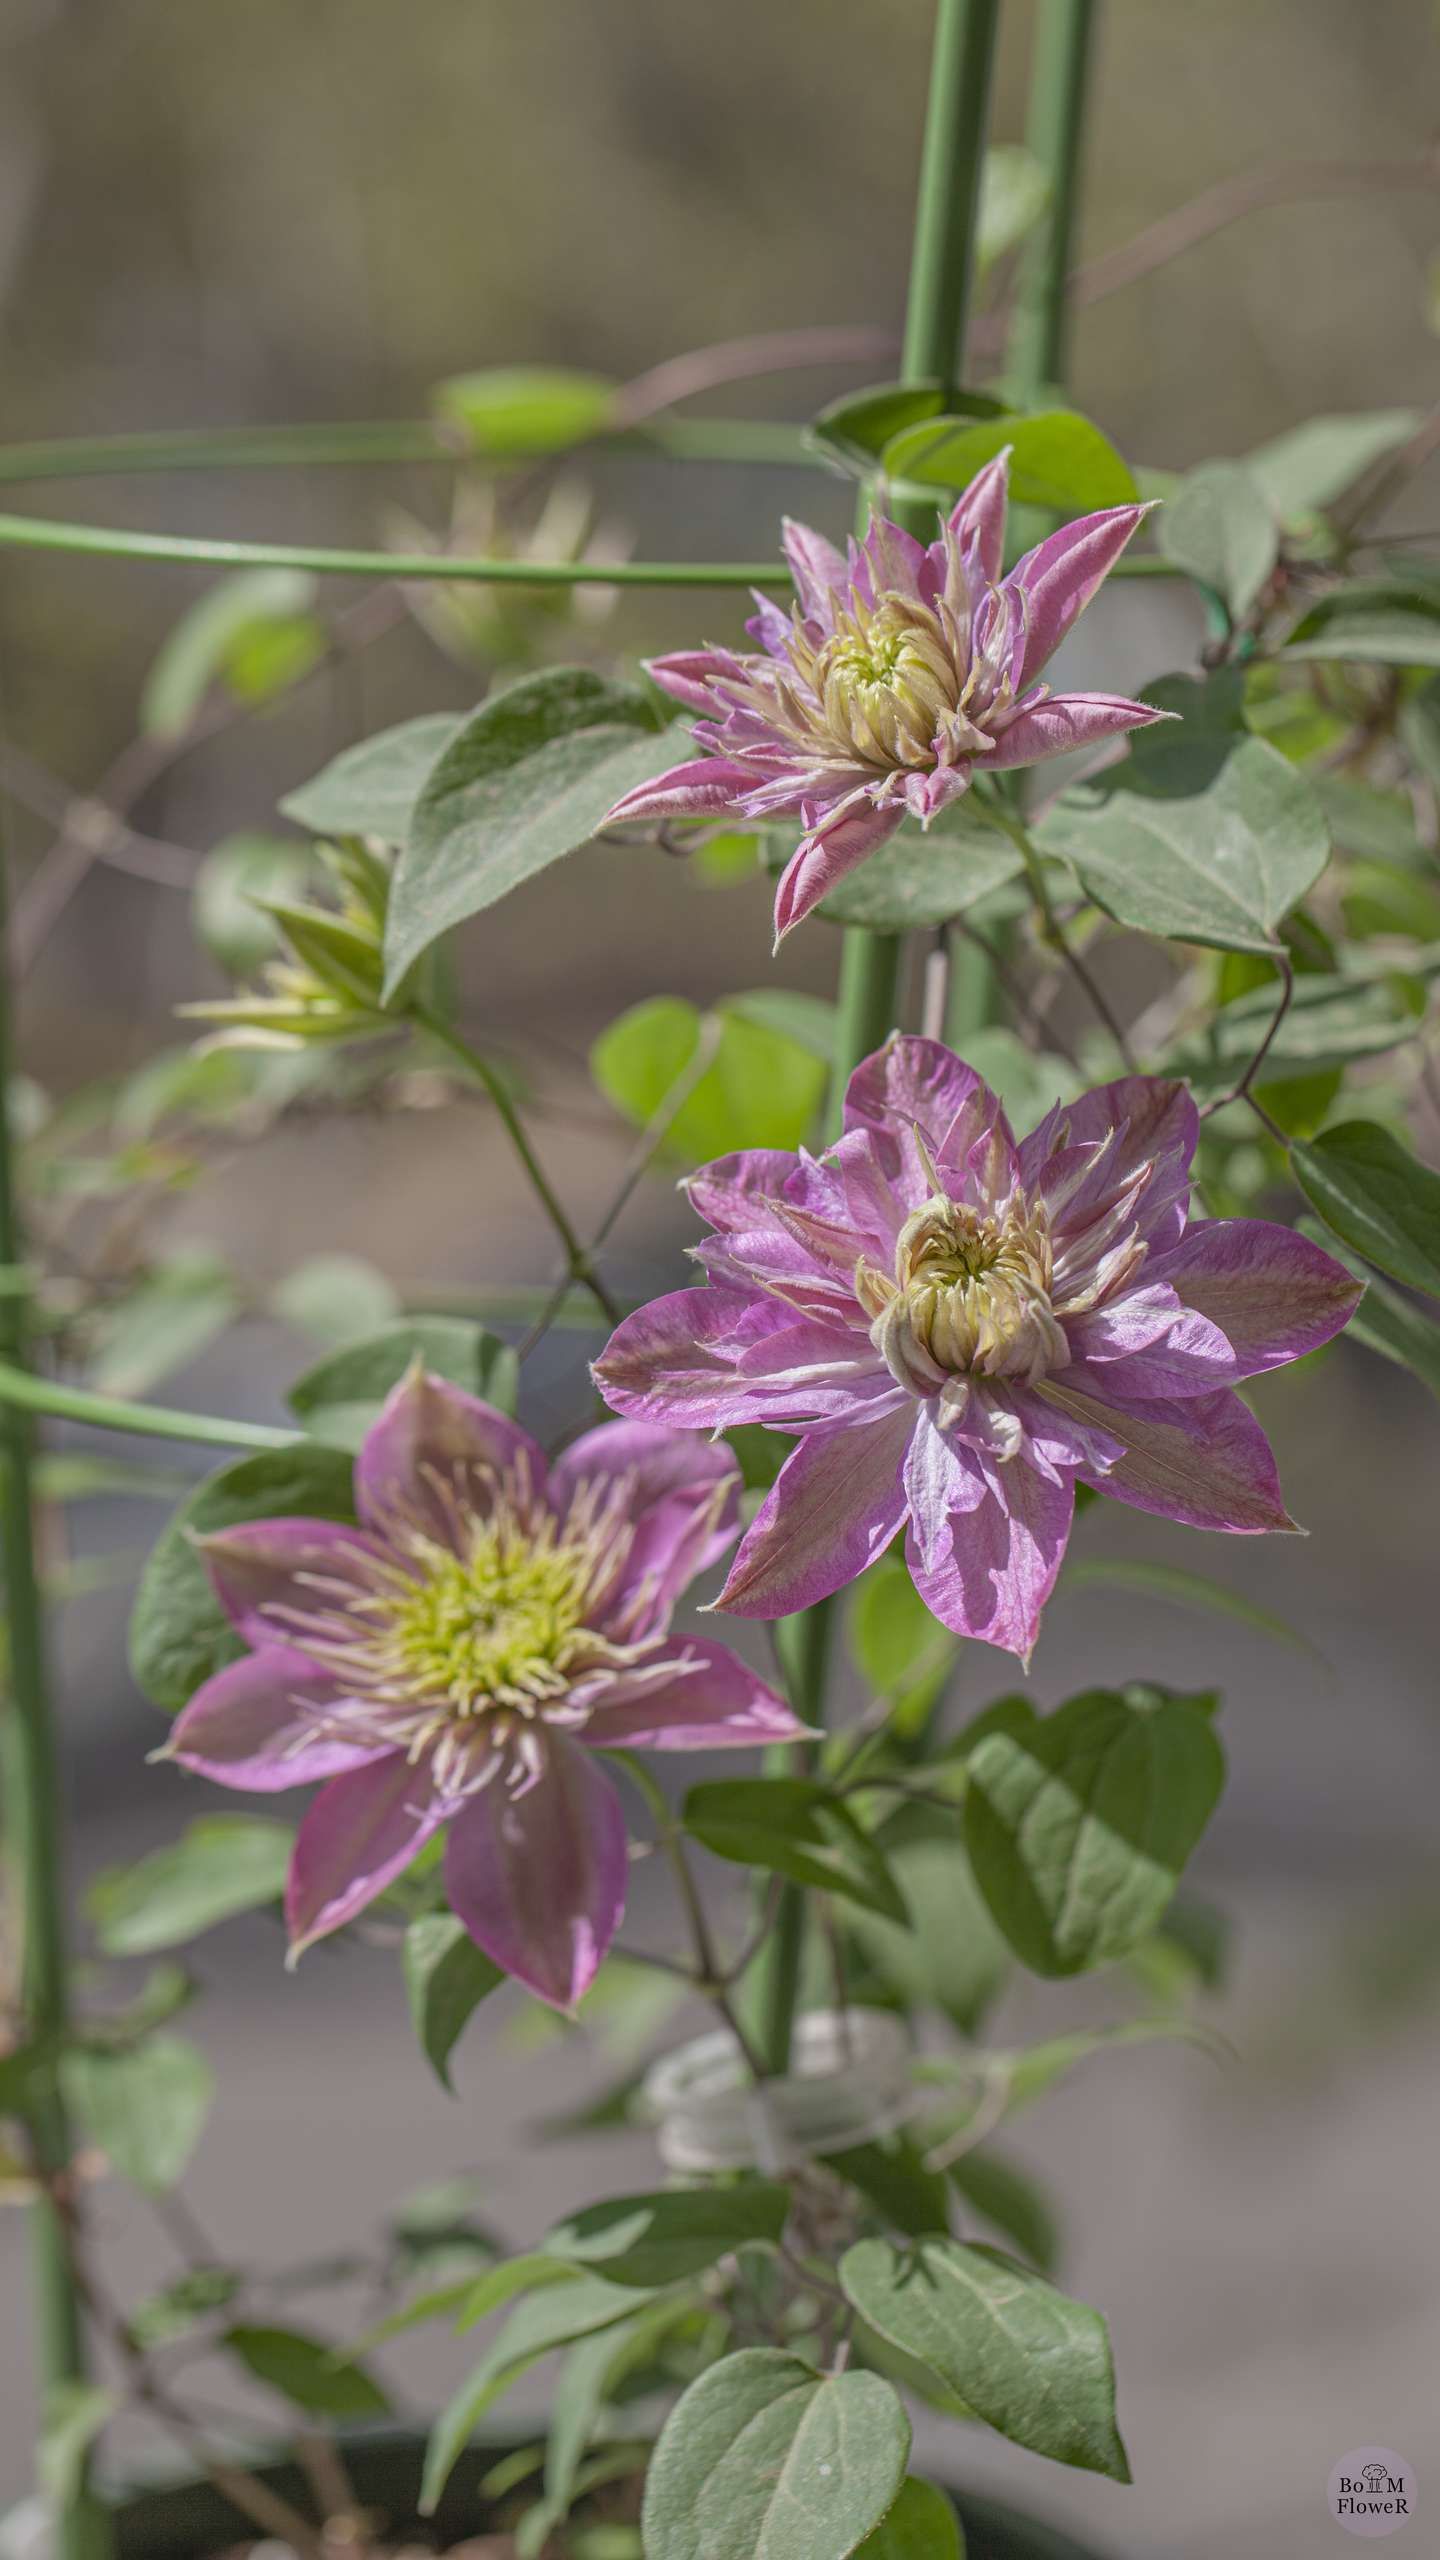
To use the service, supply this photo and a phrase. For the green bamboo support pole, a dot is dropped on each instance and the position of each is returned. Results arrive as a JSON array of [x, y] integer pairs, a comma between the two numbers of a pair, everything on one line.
[[32, 1841], [1055, 126], [951, 161]]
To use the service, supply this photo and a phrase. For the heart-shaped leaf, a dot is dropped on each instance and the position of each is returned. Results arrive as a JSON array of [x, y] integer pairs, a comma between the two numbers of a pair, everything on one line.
[[764, 2455]]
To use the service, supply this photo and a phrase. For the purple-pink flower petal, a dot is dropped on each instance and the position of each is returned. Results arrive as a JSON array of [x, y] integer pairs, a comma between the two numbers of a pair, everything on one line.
[[435, 1455], [693, 1695], [266, 1723], [705, 788], [360, 1833], [1058, 578], [977, 520], [681, 1506], [1273, 1294], [272, 1577], [1065, 722], [826, 856], [989, 1570], [834, 1507], [538, 1877], [1200, 1459]]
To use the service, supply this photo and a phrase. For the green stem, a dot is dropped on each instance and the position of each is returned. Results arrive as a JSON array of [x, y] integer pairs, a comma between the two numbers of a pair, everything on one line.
[[22, 1391], [803, 1644], [1059, 80], [379, 440], [578, 1263], [952, 158], [992, 806], [110, 542], [32, 1839], [951, 162]]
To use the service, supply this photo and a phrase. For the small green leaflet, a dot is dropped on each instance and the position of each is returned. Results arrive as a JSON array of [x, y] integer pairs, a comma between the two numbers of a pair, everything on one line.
[[1377, 1198], [1058, 459], [179, 1634], [528, 779], [1329, 1021], [446, 1978], [796, 1828], [1220, 527], [1384, 1321], [252, 630], [651, 2240], [1028, 2359], [340, 1397], [1222, 866], [1393, 622], [856, 428], [306, 2371], [546, 2319], [923, 877], [713, 1081], [517, 410], [765, 2459], [223, 1864], [1079, 1823], [145, 2105], [922, 2525], [1309, 467], [371, 789]]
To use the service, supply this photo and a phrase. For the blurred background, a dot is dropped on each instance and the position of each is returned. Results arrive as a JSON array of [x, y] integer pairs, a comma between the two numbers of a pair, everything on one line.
[[317, 209]]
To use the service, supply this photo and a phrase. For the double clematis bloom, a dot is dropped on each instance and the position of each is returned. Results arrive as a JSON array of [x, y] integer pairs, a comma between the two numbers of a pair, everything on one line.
[[902, 672], [459, 1658], [962, 1329]]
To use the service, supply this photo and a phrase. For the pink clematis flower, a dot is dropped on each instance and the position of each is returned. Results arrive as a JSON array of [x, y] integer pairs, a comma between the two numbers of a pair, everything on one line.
[[961, 1329], [901, 672], [460, 1657]]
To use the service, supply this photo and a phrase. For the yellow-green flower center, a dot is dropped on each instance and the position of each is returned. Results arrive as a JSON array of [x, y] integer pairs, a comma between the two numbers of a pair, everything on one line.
[[498, 1623], [885, 680], [970, 1296]]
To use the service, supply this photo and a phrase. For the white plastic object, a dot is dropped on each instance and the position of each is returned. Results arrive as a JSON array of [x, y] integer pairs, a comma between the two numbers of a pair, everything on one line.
[[849, 2082]]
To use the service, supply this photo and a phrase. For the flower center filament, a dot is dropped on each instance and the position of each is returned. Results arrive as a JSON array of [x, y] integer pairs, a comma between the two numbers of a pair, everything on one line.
[[464, 1647], [970, 1296], [885, 682]]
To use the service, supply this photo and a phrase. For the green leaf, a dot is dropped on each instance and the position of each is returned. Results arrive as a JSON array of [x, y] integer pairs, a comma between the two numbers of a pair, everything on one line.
[[1221, 529], [340, 1397], [234, 874], [1221, 866], [902, 1651], [550, 2318], [858, 427], [179, 1634], [335, 1297], [1029, 2360], [588, 2378], [225, 1863], [1058, 460], [1188, 1590], [532, 2272], [183, 2305], [529, 778], [952, 1958], [307, 2371], [1078, 1824], [446, 1978], [761, 1088], [763, 2456], [922, 2525], [1002, 2194], [808, 1021], [1014, 195], [513, 410], [1308, 468], [794, 1827], [1331, 1019], [923, 878], [212, 640], [891, 2174], [1384, 1321], [651, 2240], [144, 2105], [1392, 622], [1376, 1197], [73, 2415], [371, 789], [171, 1316]]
